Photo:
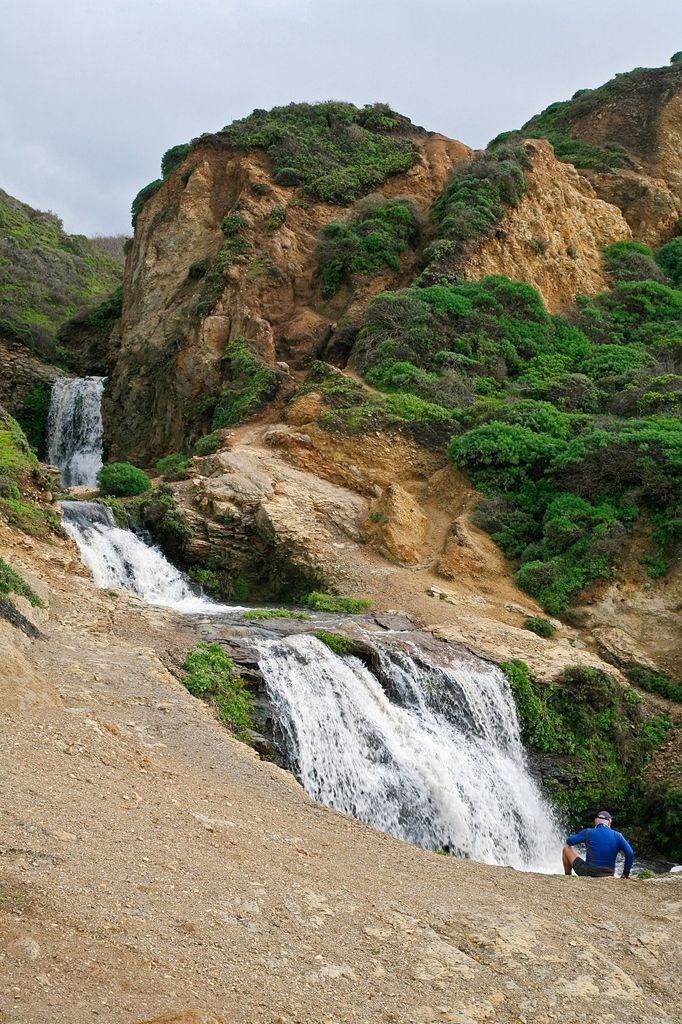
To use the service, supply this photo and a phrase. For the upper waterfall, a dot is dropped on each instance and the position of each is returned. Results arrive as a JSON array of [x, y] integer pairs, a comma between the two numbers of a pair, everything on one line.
[[427, 748], [74, 429]]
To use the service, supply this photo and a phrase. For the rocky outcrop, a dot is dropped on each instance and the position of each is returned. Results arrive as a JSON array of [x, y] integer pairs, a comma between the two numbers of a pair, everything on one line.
[[166, 354], [552, 239], [20, 373], [640, 113]]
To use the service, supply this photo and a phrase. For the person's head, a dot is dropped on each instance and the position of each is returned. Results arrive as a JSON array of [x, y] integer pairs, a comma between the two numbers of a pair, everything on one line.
[[603, 818]]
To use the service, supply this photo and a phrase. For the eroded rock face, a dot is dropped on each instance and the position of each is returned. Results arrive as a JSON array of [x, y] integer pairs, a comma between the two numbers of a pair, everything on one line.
[[642, 113], [274, 525], [552, 239], [20, 373], [166, 354]]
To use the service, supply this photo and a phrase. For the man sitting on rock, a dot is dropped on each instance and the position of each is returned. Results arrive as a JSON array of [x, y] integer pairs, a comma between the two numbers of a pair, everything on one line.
[[603, 845]]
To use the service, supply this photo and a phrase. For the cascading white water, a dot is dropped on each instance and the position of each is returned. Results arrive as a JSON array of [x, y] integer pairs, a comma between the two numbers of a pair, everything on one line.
[[433, 756], [74, 429], [119, 558]]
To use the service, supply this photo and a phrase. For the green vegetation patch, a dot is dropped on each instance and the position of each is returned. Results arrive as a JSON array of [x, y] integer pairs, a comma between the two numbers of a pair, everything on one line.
[[478, 194], [262, 614], [536, 624], [166, 521], [213, 676], [372, 238], [251, 382], [174, 466], [323, 602], [604, 741], [335, 152], [33, 414], [12, 583], [340, 645], [655, 682], [568, 425], [122, 480], [20, 473]]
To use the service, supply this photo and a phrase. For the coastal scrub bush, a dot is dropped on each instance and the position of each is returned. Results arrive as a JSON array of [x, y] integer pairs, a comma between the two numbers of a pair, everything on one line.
[[12, 583], [669, 259], [209, 444], [213, 676], [122, 480], [334, 603], [335, 151], [374, 236], [475, 200], [251, 383], [536, 624], [32, 417], [174, 466], [632, 261], [142, 197], [655, 682]]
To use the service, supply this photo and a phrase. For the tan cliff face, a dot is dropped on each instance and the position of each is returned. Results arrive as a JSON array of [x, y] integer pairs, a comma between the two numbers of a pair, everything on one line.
[[642, 113], [164, 356], [552, 239]]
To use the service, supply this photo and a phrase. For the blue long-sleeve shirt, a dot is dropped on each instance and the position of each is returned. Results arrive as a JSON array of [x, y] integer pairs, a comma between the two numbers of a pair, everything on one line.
[[603, 846]]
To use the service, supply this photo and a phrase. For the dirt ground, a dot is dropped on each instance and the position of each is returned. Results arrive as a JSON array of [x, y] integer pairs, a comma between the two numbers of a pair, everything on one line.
[[150, 865]]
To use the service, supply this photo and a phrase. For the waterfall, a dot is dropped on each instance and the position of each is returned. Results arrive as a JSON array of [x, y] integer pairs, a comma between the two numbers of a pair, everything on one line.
[[74, 429], [431, 754], [119, 558]]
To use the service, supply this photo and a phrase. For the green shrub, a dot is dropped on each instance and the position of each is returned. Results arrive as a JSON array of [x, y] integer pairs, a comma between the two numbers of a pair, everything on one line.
[[33, 415], [676, 57], [252, 383], [174, 466], [258, 614], [335, 151], [12, 583], [276, 217], [669, 259], [474, 200], [165, 520], [536, 624], [143, 197], [655, 682], [213, 676], [632, 261], [334, 603], [342, 646], [602, 742], [122, 480], [173, 157], [372, 238], [209, 444]]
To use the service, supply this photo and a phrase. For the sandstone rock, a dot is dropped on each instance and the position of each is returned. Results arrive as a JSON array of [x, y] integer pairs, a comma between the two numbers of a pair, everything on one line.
[[552, 239], [397, 525]]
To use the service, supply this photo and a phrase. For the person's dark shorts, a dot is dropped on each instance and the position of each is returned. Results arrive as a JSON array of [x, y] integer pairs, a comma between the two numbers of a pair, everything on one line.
[[588, 871]]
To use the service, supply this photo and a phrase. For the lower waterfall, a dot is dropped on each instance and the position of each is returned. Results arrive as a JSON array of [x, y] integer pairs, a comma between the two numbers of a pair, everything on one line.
[[119, 558], [74, 429], [427, 751], [424, 746]]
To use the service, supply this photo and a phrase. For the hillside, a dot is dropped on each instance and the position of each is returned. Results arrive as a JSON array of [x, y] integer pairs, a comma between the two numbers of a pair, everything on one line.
[[46, 275]]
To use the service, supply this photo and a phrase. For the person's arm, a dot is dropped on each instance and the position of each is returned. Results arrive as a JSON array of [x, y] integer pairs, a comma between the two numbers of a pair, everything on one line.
[[579, 837], [629, 856]]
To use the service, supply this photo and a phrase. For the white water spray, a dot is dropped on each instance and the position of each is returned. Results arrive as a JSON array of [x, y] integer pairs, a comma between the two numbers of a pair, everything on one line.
[[75, 429], [119, 558], [433, 756]]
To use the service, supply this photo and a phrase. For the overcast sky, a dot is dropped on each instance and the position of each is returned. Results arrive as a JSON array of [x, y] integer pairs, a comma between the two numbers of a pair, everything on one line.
[[92, 92]]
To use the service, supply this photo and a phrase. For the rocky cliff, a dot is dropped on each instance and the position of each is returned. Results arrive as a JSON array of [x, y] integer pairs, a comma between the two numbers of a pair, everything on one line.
[[625, 137]]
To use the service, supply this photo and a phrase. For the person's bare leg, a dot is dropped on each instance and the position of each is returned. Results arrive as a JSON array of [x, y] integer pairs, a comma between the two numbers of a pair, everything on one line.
[[568, 855]]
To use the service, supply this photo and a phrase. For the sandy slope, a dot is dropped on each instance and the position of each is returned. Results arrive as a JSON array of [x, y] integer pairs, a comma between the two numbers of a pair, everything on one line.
[[150, 865]]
